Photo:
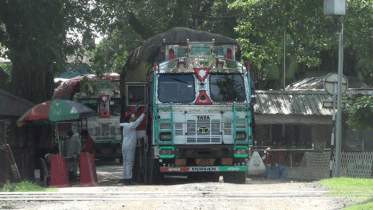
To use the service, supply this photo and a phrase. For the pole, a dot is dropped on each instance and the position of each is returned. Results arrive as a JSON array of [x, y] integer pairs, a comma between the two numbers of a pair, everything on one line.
[[339, 103], [332, 142], [284, 58]]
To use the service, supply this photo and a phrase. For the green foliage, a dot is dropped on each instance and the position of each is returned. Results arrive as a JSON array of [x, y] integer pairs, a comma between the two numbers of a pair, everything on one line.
[[126, 26], [35, 36], [308, 32], [6, 67], [360, 112], [112, 52], [265, 23]]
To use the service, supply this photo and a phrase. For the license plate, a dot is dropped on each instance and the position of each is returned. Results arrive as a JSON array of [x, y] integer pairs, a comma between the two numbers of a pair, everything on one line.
[[205, 162]]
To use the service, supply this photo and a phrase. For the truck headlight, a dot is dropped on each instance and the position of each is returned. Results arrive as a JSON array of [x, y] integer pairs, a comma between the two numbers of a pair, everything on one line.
[[241, 151], [166, 152], [165, 136], [241, 135]]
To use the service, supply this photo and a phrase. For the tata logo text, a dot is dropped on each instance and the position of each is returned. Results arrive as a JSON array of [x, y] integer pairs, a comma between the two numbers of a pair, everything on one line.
[[197, 169], [203, 117]]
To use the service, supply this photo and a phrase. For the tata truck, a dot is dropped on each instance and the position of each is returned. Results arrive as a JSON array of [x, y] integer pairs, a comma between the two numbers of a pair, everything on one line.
[[200, 118], [100, 93]]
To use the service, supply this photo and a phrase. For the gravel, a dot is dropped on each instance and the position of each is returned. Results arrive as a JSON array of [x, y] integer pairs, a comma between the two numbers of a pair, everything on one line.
[[261, 194]]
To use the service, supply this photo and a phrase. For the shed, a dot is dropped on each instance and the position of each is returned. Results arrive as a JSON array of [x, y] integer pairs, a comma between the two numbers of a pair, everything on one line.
[[11, 108], [297, 118], [292, 118]]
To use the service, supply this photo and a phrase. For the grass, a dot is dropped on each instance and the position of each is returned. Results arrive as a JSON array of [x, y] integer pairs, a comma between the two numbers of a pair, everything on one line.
[[359, 190], [25, 186]]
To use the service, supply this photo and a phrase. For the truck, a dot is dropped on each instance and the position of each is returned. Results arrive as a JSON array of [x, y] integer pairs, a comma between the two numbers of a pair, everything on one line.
[[100, 93], [200, 103]]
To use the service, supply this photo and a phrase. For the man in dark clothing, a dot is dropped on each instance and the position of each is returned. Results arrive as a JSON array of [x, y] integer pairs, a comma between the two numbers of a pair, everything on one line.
[[89, 144]]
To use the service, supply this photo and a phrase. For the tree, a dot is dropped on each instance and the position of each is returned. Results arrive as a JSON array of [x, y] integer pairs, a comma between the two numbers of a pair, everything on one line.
[[35, 36], [126, 26], [112, 52], [308, 33], [359, 111], [265, 23]]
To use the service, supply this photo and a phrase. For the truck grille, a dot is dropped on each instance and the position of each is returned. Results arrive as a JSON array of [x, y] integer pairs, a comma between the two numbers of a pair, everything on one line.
[[203, 132]]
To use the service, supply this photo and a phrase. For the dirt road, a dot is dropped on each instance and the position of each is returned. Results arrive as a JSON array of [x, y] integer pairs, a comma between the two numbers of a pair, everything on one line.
[[179, 193]]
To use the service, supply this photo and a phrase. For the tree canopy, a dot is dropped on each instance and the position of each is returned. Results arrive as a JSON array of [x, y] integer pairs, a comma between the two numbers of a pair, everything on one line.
[[308, 32], [126, 26], [34, 32], [359, 112]]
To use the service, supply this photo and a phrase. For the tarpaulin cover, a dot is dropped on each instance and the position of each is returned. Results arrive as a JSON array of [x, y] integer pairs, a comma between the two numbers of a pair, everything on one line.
[[68, 88], [141, 59]]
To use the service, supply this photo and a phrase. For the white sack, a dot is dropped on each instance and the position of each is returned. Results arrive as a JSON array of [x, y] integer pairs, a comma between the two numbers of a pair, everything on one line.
[[256, 165]]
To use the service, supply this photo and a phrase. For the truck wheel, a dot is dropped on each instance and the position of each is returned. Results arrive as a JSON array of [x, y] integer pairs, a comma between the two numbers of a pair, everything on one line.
[[212, 177], [228, 177], [235, 177], [239, 177]]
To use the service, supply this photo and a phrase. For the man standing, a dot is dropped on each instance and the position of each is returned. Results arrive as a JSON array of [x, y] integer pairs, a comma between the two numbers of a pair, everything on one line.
[[129, 145], [74, 147]]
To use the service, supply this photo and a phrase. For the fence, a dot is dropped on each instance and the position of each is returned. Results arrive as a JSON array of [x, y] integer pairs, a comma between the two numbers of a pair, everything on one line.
[[357, 164], [316, 166]]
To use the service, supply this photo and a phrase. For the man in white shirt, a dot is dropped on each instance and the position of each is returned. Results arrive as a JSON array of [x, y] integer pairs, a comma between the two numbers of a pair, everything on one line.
[[74, 147], [129, 145]]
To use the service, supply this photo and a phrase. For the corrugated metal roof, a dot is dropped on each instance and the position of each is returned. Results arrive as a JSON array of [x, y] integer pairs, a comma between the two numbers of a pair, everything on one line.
[[302, 102], [318, 83]]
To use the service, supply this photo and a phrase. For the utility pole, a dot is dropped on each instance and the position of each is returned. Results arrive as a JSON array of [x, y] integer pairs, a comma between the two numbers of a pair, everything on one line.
[[338, 145], [338, 8]]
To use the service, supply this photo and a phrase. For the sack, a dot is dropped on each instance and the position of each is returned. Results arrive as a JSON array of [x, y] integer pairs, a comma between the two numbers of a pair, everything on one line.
[[255, 165]]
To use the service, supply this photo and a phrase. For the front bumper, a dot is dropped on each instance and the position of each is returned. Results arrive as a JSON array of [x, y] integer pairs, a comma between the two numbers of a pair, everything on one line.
[[184, 169]]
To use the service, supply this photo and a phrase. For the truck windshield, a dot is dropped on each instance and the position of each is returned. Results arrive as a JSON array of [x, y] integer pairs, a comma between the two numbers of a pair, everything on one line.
[[176, 88], [227, 88]]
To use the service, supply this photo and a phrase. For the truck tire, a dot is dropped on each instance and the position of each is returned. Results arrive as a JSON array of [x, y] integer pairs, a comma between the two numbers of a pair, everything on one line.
[[212, 177], [235, 177], [239, 177], [228, 177]]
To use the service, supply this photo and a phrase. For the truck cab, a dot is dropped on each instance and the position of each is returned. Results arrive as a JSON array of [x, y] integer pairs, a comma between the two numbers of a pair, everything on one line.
[[202, 112]]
